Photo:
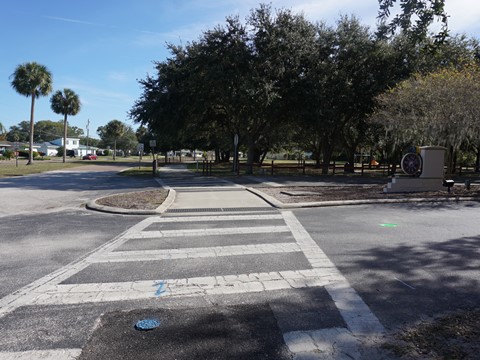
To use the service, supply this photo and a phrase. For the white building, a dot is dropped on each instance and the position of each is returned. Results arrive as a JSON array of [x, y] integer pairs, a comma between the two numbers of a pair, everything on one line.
[[46, 148], [74, 144]]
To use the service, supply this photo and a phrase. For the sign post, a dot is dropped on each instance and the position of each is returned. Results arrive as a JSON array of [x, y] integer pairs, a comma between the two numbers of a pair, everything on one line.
[[140, 148], [15, 148], [235, 153], [152, 144]]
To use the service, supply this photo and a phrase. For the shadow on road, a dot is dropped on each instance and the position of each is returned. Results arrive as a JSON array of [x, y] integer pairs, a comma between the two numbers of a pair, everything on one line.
[[429, 279]]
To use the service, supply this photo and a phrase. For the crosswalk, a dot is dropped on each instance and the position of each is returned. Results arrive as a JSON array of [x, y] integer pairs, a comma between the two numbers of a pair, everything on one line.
[[63, 291], [203, 256]]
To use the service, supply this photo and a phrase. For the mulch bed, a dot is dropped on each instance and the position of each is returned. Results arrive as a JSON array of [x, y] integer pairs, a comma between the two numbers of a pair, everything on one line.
[[358, 192], [144, 200], [452, 336]]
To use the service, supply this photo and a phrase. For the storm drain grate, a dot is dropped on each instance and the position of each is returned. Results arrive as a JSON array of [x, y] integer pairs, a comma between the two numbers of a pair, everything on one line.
[[221, 209]]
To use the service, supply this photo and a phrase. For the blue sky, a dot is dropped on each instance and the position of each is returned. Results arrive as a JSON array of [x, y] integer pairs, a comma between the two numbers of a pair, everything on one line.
[[100, 48]]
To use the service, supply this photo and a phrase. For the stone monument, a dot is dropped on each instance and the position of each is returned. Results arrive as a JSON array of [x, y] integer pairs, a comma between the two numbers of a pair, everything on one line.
[[426, 171]]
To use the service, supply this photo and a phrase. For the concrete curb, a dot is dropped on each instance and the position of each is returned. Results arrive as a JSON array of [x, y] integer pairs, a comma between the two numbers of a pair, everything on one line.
[[92, 205], [279, 205]]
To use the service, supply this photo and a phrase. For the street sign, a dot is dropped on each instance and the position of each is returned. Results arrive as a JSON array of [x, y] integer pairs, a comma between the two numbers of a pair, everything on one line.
[[152, 143], [140, 147]]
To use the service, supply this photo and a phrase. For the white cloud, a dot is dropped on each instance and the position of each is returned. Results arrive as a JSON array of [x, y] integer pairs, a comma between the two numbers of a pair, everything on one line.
[[118, 76], [182, 34], [95, 95], [72, 21], [464, 15]]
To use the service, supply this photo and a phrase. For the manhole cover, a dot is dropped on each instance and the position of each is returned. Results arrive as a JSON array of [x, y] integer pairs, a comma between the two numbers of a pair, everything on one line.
[[147, 324]]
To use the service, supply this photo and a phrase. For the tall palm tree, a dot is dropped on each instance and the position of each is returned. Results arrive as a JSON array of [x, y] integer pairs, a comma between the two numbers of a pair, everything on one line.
[[34, 80], [66, 103]]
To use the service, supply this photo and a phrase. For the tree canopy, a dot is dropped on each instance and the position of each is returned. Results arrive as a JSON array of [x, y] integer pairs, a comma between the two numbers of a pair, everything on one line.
[[45, 130], [439, 108], [413, 19], [111, 133], [261, 80], [279, 80]]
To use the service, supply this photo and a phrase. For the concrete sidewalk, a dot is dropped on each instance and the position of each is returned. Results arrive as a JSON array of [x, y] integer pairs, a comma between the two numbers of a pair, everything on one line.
[[207, 194]]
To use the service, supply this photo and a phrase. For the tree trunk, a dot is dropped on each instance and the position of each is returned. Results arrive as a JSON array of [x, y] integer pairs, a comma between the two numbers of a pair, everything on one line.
[[477, 162], [327, 157], [263, 157], [32, 111], [65, 138], [454, 161], [450, 154], [317, 155], [250, 156], [350, 158]]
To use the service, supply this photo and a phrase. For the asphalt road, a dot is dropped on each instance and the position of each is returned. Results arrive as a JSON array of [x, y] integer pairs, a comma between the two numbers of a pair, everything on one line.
[[220, 285], [44, 224], [60, 190], [407, 261]]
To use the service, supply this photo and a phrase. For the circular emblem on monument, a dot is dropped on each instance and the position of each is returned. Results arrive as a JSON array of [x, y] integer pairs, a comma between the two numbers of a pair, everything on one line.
[[411, 163]]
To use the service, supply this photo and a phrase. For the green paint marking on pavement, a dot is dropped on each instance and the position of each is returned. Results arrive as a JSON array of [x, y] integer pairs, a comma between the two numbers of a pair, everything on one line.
[[388, 225]]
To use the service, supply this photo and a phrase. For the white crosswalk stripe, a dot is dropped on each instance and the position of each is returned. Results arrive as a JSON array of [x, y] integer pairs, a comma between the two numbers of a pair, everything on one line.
[[192, 253], [58, 354]]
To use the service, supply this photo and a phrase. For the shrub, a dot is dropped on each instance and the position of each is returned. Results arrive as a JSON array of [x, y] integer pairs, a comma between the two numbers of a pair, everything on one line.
[[9, 154]]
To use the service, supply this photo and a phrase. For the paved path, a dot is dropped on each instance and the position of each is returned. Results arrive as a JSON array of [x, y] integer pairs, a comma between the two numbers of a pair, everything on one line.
[[219, 243], [200, 194]]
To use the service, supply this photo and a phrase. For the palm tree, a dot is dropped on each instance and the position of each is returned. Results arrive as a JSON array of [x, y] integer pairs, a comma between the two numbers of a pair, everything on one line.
[[35, 80], [66, 103]]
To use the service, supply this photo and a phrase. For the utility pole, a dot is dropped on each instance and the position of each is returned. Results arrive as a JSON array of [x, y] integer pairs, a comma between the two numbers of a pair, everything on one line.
[[88, 126]]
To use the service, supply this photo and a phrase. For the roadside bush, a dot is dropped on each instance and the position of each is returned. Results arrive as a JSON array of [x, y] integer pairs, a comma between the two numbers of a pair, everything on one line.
[[8, 154]]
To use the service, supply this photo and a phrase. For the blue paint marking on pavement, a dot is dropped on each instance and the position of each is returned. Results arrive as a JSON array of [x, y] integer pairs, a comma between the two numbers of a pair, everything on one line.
[[147, 324], [161, 288]]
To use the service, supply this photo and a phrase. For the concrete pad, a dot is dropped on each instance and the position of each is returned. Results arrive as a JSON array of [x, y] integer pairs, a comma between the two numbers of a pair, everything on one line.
[[217, 199]]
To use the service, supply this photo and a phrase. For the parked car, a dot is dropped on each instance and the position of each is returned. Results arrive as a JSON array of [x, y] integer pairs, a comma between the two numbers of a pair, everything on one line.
[[90, 157]]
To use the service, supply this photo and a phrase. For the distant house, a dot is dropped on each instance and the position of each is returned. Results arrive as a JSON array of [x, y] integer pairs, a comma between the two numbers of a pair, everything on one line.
[[74, 144], [46, 148], [5, 145]]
